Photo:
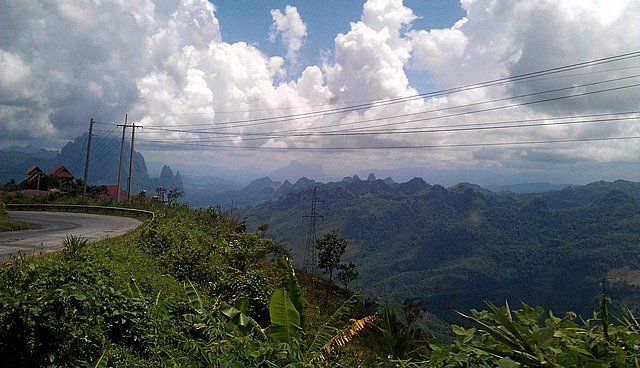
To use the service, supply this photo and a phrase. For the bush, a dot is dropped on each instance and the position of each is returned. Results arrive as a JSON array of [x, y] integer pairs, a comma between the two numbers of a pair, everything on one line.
[[60, 309]]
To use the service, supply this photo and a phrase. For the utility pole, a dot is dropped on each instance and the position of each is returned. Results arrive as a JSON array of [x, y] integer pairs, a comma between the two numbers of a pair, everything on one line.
[[133, 135], [86, 163], [309, 261], [124, 127]]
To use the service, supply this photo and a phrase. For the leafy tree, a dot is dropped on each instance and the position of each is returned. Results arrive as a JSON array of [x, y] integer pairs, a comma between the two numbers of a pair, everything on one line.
[[262, 228], [347, 273], [174, 194], [330, 249]]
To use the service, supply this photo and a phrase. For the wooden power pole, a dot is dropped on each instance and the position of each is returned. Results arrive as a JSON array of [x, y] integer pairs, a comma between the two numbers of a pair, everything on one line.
[[124, 127], [133, 134], [86, 163]]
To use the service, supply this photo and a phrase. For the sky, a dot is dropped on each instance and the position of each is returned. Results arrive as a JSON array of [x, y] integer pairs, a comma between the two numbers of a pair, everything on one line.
[[535, 90]]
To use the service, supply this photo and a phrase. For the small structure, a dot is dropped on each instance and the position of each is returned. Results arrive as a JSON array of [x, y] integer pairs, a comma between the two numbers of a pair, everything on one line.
[[111, 193], [33, 176], [61, 173], [161, 193]]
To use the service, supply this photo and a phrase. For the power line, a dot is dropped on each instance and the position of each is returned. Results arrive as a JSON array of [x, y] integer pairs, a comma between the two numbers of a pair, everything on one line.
[[520, 104], [384, 102], [426, 146], [404, 122], [513, 124]]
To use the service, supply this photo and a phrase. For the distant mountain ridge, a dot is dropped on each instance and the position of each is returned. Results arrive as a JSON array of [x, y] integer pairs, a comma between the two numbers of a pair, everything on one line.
[[460, 245]]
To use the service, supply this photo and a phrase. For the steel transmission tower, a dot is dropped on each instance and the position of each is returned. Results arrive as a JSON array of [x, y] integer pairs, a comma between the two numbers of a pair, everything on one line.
[[309, 261]]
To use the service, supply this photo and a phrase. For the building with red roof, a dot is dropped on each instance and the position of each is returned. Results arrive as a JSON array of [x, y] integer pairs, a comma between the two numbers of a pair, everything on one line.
[[33, 176], [61, 173]]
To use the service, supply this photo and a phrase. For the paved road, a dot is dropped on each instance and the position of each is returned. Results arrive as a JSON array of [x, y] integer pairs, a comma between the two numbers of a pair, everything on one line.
[[57, 225]]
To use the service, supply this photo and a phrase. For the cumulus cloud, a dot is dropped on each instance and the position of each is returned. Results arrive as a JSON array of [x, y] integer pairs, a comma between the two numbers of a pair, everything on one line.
[[167, 66], [291, 28]]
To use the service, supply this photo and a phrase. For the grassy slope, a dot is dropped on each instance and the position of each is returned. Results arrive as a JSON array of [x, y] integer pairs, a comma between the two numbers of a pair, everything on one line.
[[8, 224], [183, 243]]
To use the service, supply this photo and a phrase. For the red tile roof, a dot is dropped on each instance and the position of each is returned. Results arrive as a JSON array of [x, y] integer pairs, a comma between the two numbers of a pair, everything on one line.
[[33, 173], [59, 171], [33, 169]]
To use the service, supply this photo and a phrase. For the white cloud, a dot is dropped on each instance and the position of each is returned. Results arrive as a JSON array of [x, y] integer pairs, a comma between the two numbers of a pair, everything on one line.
[[166, 64], [291, 28]]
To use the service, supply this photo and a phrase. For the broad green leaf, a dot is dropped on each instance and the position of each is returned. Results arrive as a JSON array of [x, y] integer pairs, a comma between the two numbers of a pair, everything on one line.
[[285, 318], [133, 289], [167, 359], [194, 297], [240, 319], [507, 363], [458, 330], [293, 287]]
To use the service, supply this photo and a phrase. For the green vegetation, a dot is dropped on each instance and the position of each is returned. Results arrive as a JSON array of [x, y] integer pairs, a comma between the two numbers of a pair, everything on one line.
[[456, 247], [190, 289], [194, 289], [9, 224]]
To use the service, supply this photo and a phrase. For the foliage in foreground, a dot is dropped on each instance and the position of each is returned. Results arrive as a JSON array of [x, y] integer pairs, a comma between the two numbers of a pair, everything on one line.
[[194, 290], [525, 338], [121, 303]]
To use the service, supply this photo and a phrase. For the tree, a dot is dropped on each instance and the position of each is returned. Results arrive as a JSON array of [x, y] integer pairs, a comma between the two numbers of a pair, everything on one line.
[[347, 273], [174, 194], [330, 249], [262, 228], [412, 308]]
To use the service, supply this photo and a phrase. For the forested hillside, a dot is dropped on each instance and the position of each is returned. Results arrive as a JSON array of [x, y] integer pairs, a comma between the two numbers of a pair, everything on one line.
[[456, 247], [193, 288]]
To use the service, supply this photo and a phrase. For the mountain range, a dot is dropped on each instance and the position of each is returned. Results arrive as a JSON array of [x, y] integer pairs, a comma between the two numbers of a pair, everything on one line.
[[458, 246]]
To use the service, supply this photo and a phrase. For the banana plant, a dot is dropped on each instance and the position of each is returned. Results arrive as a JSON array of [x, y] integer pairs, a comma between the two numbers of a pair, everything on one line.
[[237, 316], [288, 327]]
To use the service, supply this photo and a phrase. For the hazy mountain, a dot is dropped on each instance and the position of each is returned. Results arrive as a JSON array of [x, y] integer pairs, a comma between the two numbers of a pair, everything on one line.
[[16, 160], [295, 170], [202, 191], [103, 163], [167, 180], [257, 191]]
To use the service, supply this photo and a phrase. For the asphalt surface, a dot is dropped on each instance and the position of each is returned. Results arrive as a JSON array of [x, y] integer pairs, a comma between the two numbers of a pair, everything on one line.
[[55, 226]]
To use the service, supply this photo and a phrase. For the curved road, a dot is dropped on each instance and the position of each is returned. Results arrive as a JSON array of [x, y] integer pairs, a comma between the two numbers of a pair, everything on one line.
[[55, 227]]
